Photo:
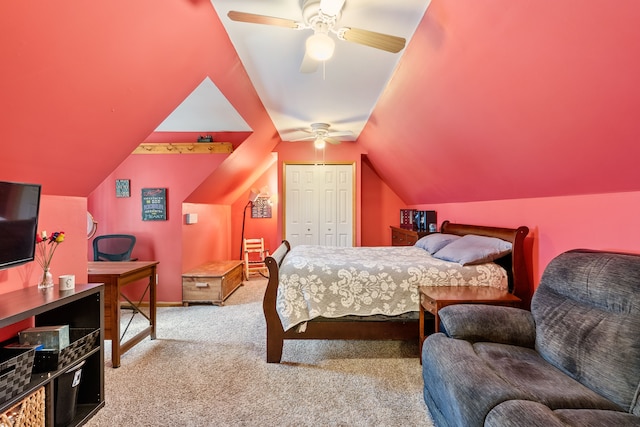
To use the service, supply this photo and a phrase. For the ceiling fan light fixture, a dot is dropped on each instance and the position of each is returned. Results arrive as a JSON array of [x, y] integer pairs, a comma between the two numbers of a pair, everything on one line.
[[319, 143], [320, 46]]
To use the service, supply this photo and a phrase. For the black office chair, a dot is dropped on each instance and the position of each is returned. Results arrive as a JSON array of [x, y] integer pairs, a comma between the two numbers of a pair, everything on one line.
[[113, 247]]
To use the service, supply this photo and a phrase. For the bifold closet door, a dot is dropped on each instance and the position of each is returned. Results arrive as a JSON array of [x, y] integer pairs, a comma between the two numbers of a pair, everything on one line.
[[319, 204]]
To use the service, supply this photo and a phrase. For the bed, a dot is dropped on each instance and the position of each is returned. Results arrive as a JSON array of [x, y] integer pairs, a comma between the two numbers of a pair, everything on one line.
[[318, 292]]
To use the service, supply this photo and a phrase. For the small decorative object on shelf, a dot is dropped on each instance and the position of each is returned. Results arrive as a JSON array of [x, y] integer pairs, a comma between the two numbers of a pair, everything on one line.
[[425, 221], [406, 218], [45, 248]]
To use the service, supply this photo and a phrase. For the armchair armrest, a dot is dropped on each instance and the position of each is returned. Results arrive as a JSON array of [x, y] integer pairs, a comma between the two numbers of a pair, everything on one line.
[[478, 322]]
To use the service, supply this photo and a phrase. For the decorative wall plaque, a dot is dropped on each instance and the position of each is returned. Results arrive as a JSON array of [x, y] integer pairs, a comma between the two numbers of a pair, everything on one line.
[[123, 188], [154, 204], [261, 208]]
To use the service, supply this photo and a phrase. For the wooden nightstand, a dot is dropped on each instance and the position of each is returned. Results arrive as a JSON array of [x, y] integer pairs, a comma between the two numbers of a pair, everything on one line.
[[433, 298], [404, 237]]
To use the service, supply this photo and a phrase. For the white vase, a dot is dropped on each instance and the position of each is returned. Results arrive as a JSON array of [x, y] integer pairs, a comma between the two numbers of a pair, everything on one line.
[[47, 280]]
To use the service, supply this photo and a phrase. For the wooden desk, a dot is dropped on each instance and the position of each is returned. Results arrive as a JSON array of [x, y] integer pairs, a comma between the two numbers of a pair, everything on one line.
[[115, 276], [433, 298]]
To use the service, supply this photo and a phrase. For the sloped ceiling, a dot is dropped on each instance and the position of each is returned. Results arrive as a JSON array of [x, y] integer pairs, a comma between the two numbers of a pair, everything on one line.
[[490, 100], [500, 99]]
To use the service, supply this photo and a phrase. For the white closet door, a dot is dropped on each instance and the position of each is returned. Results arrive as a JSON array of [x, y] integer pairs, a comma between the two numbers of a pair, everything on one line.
[[344, 205], [301, 205], [319, 204]]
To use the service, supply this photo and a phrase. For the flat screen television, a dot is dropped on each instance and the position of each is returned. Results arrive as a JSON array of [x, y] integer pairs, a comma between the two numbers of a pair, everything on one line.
[[19, 207]]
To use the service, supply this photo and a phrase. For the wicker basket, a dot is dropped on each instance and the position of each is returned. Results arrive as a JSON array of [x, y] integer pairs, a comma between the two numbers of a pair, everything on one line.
[[29, 412], [83, 341], [15, 371]]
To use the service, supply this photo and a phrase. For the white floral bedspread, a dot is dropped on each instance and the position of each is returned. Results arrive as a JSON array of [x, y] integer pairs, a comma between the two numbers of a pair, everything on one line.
[[333, 281]]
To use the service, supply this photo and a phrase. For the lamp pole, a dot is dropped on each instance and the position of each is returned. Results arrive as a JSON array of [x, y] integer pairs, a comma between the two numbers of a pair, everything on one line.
[[244, 216]]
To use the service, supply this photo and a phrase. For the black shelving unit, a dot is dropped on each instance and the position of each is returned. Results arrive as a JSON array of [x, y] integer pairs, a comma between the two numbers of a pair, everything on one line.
[[79, 308]]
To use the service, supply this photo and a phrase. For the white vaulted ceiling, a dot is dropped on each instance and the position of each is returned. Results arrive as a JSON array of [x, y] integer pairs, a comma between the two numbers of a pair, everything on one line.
[[342, 92]]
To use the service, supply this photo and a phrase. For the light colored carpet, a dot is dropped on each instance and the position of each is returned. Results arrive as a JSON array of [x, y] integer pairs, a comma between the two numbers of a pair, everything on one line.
[[207, 368]]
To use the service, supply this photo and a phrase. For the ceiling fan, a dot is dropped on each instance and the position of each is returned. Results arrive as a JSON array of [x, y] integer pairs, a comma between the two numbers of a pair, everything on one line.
[[320, 135], [321, 16]]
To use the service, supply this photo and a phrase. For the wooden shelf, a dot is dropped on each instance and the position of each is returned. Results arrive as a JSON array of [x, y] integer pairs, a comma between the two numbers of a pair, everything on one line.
[[184, 148]]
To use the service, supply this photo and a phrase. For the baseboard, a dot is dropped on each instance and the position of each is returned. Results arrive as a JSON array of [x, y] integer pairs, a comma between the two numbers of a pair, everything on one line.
[[158, 304]]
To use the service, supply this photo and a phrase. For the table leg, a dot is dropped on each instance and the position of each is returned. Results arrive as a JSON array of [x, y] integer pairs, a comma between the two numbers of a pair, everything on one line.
[[152, 303], [421, 322], [115, 324]]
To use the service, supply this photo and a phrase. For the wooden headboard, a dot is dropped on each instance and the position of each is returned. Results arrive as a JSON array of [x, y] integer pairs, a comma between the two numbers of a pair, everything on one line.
[[514, 263]]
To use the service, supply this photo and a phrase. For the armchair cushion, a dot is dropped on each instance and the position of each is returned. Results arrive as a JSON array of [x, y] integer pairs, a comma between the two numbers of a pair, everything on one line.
[[512, 412], [476, 322]]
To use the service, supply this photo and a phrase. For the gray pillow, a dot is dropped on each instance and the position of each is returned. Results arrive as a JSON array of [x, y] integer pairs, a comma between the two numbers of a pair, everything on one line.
[[473, 249], [432, 243]]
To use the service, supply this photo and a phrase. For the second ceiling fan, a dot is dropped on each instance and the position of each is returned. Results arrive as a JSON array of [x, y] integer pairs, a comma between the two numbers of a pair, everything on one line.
[[322, 16], [320, 133]]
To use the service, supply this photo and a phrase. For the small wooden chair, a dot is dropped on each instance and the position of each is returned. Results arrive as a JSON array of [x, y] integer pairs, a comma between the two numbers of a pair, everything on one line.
[[254, 256]]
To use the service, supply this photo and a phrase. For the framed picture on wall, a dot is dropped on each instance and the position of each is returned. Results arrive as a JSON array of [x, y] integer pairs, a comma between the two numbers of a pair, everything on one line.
[[261, 208], [123, 188], [154, 204]]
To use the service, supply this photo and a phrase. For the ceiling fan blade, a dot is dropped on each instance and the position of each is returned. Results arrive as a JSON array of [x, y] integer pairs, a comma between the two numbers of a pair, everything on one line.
[[340, 133], [331, 140], [331, 7], [306, 138], [262, 19], [309, 65], [372, 39]]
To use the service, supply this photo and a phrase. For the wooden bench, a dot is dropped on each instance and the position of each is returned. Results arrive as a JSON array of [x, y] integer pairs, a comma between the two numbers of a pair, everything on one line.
[[212, 282]]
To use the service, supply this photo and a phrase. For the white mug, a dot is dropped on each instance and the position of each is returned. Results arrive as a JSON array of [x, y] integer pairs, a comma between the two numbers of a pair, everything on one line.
[[67, 282]]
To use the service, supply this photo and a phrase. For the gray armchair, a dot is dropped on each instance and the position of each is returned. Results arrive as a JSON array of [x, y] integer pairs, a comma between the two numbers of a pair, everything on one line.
[[574, 360]]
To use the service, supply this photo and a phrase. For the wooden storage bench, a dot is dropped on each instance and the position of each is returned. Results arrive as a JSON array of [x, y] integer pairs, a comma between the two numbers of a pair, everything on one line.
[[212, 282]]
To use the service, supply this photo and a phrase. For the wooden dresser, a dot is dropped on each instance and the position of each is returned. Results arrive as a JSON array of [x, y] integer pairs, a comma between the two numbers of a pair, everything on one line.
[[404, 237]]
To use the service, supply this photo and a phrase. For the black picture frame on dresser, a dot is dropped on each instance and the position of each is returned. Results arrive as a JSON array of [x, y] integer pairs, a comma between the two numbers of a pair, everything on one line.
[[82, 307]]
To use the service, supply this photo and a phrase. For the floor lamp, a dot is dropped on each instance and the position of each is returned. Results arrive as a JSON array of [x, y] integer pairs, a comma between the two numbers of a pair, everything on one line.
[[253, 195]]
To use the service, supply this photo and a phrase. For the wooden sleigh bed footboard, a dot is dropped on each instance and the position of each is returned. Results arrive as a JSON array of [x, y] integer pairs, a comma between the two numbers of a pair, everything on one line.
[[336, 329], [392, 328]]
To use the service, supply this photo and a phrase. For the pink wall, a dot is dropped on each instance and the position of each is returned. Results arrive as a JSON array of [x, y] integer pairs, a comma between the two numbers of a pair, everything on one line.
[[558, 224], [380, 208], [266, 228], [207, 240], [57, 213], [156, 240]]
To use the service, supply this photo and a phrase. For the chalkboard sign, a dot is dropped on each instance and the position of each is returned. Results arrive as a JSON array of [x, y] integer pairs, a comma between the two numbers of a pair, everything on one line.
[[154, 204]]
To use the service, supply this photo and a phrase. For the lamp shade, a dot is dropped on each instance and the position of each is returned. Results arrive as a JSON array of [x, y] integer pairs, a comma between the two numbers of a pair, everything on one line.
[[253, 195], [319, 143], [320, 46]]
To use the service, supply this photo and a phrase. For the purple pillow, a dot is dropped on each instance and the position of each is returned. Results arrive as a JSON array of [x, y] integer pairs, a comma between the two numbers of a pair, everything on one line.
[[432, 243], [473, 249]]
